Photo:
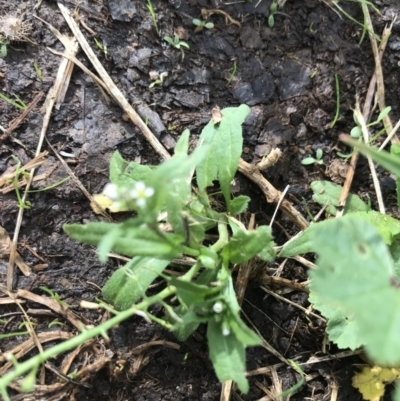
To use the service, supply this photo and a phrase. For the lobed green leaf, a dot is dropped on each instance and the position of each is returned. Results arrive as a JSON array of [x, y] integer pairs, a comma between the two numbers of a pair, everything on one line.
[[356, 272]]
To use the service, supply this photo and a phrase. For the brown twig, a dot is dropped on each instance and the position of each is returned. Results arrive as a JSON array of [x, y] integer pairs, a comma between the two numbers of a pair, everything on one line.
[[271, 194], [16, 123], [53, 305]]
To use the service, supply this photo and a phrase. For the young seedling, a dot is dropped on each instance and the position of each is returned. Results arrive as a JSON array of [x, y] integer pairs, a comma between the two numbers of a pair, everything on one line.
[[356, 132], [200, 25], [153, 15], [102, 47], [18, 103], [37, 70], [15, 181], [159, 80], [54, 296], [233, 73], [273, 10], [3, 47], [314, 160], [177, 43]]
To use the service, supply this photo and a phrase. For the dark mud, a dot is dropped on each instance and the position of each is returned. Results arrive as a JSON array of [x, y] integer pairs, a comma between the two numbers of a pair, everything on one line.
[[286, 74]]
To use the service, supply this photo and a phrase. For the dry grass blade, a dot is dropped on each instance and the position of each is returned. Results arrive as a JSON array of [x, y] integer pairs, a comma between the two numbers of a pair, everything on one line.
[[28, 346], [53, 305], [375, 180], [366, 111], [10, 175], [283, 283], [5, 250], [49, 104], [143, 347], [111, 87], [378, 68]]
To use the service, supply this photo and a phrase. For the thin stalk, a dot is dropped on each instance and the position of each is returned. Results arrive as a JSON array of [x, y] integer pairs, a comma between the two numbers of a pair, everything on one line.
[[223, 234]]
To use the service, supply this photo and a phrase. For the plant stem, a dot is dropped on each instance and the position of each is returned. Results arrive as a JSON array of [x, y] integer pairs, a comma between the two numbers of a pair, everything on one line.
[[34, 362], [223, 234]]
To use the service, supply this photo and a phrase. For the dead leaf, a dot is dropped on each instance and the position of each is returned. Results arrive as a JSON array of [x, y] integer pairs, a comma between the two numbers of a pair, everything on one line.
[[216, 115]]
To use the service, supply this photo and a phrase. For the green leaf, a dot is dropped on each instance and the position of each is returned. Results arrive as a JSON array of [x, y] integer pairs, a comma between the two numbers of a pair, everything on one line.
[[303, 243], [356, 132], [172, 177], [308, 160], [189, 323], [244, 245], [341, 327], [268, 253], [126, 173], [190, 293], [387, 160], [169, 40], [224, 141], [395, 252], [243, 333], [182, 146], [130, 282], [383, 113], [326, 191], [271, 21], [128, 239], [228, 355], [355, 271], [388, 227], [239, 204]]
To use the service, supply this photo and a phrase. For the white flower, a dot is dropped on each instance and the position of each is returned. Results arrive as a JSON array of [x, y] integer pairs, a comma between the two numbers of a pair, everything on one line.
[[225, 329], [218, 307], [111, 191], [140, 193]]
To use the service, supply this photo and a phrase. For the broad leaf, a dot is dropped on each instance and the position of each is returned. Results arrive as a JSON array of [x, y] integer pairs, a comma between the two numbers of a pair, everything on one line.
[[130, 282], [170, 178], [341, 327], [188, 324], [387, 227], [224, 141], [190, 293], [126, 239], [327, 192], [228, 355], [355, 271], [239, 204], [182, 146], [126, 173], [246, 244]]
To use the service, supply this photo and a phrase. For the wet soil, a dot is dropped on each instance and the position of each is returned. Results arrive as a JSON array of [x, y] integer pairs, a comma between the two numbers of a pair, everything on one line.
[[285, 73]]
